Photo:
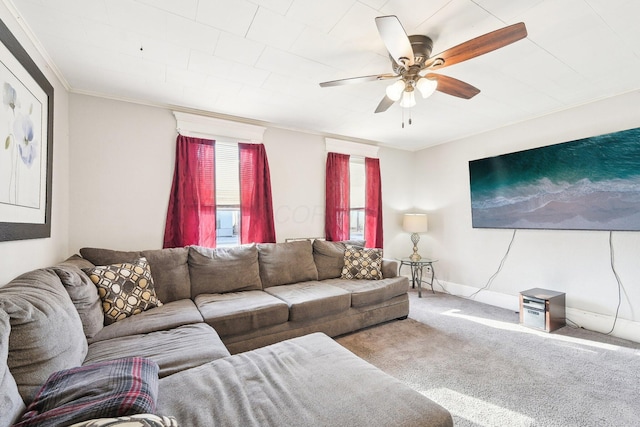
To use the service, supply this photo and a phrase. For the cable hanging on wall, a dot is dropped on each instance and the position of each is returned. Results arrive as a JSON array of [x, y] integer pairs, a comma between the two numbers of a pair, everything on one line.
[[613, 269], [620, 289], [504, 258], [615, 274]]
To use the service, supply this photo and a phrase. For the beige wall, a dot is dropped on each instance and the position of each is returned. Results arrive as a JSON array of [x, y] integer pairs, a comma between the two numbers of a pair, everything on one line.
[[122, 158], [21, 256], [575, 262]]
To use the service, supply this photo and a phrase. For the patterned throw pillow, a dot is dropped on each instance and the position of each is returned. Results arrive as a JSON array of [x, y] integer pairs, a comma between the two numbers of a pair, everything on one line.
[[139, 420], [125, 289], [362, 263], [112, 388]]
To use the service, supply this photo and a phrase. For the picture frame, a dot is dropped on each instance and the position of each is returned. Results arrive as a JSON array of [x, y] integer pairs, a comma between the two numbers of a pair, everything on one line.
[[586, 184], [26, 144]]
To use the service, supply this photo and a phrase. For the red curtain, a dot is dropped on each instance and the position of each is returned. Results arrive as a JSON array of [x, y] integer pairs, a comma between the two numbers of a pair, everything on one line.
[[191, 216], [256, 208], [373, 204], [337, 197]]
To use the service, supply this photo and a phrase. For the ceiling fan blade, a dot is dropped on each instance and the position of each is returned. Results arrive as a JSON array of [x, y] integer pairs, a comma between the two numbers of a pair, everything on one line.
[[358, 80], [478, 46], [384, 104], [395, 39], [453, 87]]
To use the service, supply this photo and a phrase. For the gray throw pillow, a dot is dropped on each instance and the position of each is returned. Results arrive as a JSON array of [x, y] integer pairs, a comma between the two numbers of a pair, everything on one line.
[[285, 263]]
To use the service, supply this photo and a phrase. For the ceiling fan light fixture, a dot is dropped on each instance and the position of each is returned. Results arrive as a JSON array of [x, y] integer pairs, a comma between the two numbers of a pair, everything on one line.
[[408, 99], [395, 90], [426, 86]]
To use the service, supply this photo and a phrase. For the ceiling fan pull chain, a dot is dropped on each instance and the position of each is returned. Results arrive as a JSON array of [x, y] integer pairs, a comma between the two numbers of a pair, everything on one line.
[[402, 117]]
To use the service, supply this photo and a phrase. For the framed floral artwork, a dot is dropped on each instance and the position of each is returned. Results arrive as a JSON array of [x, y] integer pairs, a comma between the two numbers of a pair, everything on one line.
[[26, 144]]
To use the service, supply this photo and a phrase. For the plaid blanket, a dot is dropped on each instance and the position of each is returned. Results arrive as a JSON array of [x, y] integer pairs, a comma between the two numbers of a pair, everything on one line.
[[112, 388]]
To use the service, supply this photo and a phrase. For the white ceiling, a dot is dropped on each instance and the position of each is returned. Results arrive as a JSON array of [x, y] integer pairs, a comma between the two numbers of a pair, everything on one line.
[[263, 59]]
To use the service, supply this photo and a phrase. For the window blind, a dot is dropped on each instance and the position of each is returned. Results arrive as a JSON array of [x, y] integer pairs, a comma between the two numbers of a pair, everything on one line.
[[228, 174], [357, 184]]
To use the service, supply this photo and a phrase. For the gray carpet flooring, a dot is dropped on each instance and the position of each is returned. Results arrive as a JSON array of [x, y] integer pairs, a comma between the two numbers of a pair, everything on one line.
[[487, 370]]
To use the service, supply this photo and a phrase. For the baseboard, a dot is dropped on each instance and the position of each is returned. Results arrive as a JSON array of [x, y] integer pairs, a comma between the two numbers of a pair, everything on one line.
[[625, 329], [510, 302]]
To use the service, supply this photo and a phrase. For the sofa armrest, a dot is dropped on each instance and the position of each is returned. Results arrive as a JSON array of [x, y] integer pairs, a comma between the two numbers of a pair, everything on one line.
[[389, 268]]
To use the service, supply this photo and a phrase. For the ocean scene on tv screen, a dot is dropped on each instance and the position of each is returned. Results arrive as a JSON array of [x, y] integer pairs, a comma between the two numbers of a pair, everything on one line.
[[587, 184]]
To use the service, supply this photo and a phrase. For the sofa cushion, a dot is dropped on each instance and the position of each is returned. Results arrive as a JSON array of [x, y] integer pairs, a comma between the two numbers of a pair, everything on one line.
[[284, 263], [83, 293], [361, 263], [310, 300], [220, 270], [11, 404], [305, 381], [76, 261], [239, 312], [329, 257], [168, 316], [41, 312], [170, 270], [124, 386], [125, 289], [389, 268], [99, 256], [174, 350], [369, 292], [168, 267]]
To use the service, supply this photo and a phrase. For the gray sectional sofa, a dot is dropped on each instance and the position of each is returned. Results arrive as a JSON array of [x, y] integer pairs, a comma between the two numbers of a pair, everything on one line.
[[275, 304], [256, 295]]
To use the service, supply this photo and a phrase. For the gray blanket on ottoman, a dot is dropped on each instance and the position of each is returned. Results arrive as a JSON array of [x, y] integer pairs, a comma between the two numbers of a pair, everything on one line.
[[306, 381]]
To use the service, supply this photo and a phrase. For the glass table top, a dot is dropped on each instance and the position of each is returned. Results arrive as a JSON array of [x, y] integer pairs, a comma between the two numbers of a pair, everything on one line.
[[407, 260]]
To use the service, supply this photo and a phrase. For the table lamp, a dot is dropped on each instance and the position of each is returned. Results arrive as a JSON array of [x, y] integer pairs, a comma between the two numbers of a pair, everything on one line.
[[415, 223]]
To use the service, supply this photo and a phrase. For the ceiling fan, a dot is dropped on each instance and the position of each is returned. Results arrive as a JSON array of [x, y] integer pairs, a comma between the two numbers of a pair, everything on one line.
[[411, 55]]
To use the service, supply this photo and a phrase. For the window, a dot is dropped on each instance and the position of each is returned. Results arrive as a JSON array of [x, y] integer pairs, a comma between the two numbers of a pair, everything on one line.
[[353, 199], [227, 194], [219, 202], [357, 190]]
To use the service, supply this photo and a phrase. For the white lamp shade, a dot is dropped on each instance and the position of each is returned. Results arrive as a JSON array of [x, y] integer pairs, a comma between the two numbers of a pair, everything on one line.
[[408, 99], [395, 90], [415, 223], [426, 86]]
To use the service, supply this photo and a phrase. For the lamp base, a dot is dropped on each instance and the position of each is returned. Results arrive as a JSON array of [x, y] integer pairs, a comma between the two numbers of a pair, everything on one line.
[[415, 238]]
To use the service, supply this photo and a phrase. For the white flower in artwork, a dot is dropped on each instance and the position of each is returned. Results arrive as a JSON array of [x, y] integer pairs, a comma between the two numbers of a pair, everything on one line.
[[9, 96], [23, 133]]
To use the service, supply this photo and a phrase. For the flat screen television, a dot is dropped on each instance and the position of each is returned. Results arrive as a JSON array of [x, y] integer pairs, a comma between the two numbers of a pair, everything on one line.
[[587, 184]]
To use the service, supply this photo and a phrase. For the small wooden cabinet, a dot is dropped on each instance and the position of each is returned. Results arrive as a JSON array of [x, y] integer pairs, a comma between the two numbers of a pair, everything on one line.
[[542, 309]]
